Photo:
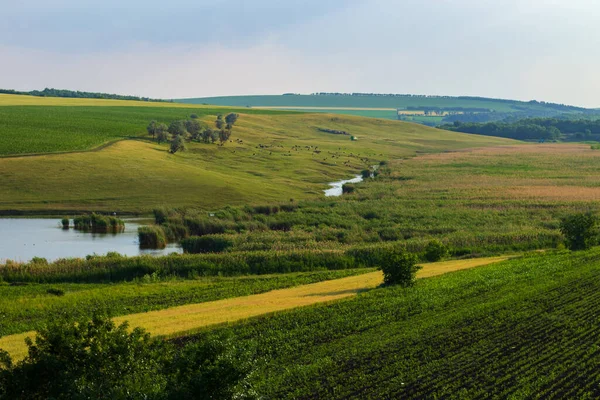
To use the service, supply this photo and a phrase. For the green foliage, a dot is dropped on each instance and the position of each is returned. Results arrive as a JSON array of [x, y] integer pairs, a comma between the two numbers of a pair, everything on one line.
[[65, 223], [206, 244], [89, 359], [365, 173], [97, 359], [580, 230], [178, 128], [224, 135], [435, 251], [348, 188], [398, 267], [194, 116], [219, 123], [231, 119], [98, 223], [177, 144], [194, 128], [152, 237], [55, 292]]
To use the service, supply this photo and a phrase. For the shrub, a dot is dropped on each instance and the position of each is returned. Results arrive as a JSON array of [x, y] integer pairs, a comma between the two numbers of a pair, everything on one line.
[[194, 116], [39, 261], [55, 292], [435, 251], [152, 237], [580, 230], [365, 173], [399, 267], [206, 244], [347, 188], [65, 223], [175, 231]]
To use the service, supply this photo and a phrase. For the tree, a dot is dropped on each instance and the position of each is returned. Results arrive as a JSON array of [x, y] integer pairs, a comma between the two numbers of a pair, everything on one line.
[[207, 135], [580, 230], [219, 123], [214, 136], [162, 135], [194, 116], [177, 144], [224, 135], [177, 128], [194, 128], [151, 128], [231, 119], [398, 267], [88, 359], [95, 359]]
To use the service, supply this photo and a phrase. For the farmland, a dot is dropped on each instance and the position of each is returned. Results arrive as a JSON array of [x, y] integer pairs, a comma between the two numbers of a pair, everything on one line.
[[523, 328]]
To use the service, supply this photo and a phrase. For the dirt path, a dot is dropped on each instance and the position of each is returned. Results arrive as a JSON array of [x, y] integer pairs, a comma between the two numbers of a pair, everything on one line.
[[180, 320]]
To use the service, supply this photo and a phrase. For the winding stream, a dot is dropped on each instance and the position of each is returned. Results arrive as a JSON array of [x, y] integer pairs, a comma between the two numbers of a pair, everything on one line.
[[336, 187]]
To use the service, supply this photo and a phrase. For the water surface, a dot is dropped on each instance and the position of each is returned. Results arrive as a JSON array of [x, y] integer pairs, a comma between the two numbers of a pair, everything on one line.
[[24, 238], [336, 187]]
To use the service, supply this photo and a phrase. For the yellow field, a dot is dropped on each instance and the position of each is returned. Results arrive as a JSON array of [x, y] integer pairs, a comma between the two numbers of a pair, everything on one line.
[[23, 100], [180, 320]]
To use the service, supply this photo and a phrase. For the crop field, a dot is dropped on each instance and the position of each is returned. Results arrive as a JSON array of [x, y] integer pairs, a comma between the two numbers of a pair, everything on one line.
[[276, 159], [35, 305], [524, 328]]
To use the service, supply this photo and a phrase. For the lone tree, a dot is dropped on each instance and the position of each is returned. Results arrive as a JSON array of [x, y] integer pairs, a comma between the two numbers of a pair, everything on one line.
[[398, 267], [219, 123], [177, 144], [580, 230], [151, 128]]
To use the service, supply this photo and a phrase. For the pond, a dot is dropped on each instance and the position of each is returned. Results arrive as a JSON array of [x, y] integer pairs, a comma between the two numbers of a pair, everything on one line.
[[21, 239], [336, 187]]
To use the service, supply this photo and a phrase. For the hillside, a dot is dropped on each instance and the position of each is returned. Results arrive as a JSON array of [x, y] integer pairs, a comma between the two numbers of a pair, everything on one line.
[[273, 156], [429, 110]]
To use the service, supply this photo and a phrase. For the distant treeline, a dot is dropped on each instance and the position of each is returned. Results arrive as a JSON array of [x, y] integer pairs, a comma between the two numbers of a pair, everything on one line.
[[532, 129], [78, 95], [562, 107]]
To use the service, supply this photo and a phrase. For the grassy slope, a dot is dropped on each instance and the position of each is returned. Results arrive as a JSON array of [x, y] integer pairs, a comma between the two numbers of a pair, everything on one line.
[[356, 101], [136, 176], [525, 328]]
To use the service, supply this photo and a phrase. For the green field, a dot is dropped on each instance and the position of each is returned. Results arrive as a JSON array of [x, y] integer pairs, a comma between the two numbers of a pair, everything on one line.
[[524, 328], [138, 175]]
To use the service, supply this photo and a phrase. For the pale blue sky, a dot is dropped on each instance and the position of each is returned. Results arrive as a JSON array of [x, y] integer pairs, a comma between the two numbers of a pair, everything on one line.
[[524, 49]]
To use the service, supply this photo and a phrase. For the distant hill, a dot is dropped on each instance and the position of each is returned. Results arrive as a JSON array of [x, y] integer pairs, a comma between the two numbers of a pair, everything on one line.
[[430, 110]]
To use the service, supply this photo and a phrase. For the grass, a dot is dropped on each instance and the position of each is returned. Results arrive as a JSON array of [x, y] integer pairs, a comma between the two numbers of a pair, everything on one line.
[[523, 328], [138, 175], [34, 305]]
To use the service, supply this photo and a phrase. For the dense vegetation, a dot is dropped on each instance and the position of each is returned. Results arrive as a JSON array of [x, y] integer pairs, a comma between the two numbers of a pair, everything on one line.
[[98, 360], [534, 129], [524, 328]]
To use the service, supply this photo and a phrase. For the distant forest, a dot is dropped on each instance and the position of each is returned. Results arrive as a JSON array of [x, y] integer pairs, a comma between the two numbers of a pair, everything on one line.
[[533, 129], [77, 94]]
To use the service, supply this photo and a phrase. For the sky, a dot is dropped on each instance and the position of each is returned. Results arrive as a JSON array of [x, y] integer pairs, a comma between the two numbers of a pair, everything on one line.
[[518, 49]]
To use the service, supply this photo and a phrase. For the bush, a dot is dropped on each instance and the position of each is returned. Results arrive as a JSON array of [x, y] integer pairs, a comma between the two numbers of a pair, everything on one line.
[[98, 360], [65, 223], [152, 237], [206, 244], [39, 261], [365, 173], [435, 251], [580, 230], [399, 267], [55, 292], [347, 188]]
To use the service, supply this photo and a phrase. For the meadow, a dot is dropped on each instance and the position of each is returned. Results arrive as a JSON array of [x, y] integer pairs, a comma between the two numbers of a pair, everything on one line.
[[273, 156]]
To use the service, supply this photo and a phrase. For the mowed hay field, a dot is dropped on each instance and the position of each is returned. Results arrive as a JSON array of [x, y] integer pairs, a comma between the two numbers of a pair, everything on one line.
[[137, 175], [180, 320]]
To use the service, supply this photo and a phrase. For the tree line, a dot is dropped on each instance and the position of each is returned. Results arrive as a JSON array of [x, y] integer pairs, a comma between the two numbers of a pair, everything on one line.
[[76, 94], [181, 131], [532, 129]]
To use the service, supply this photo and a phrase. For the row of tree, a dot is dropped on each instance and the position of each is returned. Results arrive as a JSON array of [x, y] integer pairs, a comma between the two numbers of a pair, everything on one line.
[[180, 131], [76, 94], [532, 128]]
